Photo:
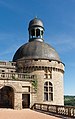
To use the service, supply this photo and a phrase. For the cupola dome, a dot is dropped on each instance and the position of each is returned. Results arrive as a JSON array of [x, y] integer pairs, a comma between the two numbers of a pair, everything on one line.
[[36, 48], [36, 30]]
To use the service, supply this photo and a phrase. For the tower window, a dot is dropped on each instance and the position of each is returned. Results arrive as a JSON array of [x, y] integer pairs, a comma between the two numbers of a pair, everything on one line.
[[48, 91], [41, 32], [37, 32], [33, 32]]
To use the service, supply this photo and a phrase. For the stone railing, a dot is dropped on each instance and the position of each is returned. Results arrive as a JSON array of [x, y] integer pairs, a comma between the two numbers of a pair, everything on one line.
[[17, 76], [66, 111], [7, 63]]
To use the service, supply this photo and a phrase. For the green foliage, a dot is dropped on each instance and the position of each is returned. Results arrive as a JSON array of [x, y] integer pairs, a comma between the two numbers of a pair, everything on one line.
[[14, 78], [69, 100], [34, 84]]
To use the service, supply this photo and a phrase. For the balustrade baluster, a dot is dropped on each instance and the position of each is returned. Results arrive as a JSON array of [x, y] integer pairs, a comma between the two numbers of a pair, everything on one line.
[[59, 110], [56, 109], [69, 111], [48, 108], [40, 107]]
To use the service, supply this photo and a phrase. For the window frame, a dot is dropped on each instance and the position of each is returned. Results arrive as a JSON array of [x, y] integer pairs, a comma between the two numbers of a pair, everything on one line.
[[48, 91]]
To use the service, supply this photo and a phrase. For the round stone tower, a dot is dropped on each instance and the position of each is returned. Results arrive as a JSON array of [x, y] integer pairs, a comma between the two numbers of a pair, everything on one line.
[[41, 59]]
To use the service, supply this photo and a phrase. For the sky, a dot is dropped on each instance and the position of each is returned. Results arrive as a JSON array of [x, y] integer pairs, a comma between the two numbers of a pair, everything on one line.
[[58, 17]]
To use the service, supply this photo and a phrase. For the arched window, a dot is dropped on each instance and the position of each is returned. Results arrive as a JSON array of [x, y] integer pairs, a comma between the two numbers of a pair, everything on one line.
[[48, 91], [42, 33], [33, 33], [37, 32]]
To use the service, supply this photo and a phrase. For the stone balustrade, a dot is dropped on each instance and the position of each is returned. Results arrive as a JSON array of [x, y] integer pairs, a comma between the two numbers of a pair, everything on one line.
[[7, 63], [66, 111], [16, 76]]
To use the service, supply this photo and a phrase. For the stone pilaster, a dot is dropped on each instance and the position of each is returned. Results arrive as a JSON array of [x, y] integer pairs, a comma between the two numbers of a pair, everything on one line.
[[18, 100]]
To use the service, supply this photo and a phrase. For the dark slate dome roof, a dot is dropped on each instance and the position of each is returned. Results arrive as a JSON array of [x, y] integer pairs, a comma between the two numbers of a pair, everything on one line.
[[36, 50]]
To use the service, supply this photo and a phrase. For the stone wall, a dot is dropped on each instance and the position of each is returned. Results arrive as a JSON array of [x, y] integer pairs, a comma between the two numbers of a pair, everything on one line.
[[37, 68], [56, 80]]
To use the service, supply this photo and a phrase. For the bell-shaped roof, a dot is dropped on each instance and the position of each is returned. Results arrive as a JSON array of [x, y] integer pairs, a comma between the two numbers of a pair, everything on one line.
[[35, 22]]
